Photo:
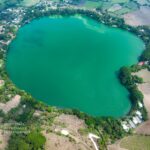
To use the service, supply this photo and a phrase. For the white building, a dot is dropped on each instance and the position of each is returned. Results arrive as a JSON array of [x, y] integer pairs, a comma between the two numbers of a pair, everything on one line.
[[140, 104]]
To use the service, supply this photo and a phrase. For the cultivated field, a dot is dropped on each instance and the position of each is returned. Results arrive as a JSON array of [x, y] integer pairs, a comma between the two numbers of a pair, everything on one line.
[[29, 2], [139, 17], [136, 142]]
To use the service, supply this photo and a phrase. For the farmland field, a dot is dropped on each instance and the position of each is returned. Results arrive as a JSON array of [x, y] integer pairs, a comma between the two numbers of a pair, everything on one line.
[[119, 1], [136, 142], [29, 2], [91, 4]]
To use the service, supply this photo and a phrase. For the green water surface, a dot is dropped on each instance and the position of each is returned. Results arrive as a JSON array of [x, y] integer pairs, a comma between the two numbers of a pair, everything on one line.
[[72, 62]]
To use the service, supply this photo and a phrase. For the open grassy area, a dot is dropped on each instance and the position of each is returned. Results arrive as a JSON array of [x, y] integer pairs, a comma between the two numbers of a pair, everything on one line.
[[136, 142], [29, 2], [92, 4], [119, 1], [123, 11]]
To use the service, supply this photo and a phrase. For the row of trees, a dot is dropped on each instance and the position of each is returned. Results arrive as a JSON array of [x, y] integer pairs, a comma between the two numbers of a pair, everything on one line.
[[130, 81], [146, 54]]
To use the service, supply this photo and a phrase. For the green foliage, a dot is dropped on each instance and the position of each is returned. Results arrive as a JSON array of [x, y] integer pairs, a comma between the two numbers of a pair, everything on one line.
[[21, 114], [32, 141], [146, 54], [136, 95], [36, 140], [125, 77], [135, 68], [137, 79], [102, 142], [130, 81], [16, 143], [4, 37], [144, 113], [1, 113]]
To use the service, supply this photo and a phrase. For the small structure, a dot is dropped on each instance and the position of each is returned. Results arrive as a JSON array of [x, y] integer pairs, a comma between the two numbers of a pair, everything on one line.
[[24, 106], [125, 126], [141, 63], [135, 120], [138, 119], [64, 132], [140, 104], [139, 114], [132, 124]]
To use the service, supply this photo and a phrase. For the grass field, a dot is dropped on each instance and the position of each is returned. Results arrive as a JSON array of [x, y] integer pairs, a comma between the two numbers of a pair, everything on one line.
[[29, 2], [119, 1], [91, 4], [123, 11], [136, 142]]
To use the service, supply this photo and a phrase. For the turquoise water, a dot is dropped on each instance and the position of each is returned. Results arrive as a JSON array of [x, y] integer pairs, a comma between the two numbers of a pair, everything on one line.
[[72, 62]]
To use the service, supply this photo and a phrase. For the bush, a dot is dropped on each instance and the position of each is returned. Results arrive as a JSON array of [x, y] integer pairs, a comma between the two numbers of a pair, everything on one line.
[[137, 79], [16, 143], [135, 95], [126, 77], [32, 141], [36, 140], [146, 54]]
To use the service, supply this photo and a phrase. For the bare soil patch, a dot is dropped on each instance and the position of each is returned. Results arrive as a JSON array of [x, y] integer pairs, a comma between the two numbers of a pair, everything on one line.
[[55, 140], [59, 142], [14, 102], [144, 128], [115, 146], [139, 17], [136, 142]]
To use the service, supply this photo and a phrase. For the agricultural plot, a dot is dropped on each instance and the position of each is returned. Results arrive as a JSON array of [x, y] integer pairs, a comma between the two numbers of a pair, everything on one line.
[[114, 7], [118, 1], [136, 142], [92, 4], [29, 2]]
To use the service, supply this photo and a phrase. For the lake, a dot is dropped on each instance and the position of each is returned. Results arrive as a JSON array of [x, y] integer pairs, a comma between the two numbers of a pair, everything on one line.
[[72, 62]]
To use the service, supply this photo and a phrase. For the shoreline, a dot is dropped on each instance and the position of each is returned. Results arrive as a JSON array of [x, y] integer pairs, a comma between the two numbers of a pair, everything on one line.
[[59, 12]]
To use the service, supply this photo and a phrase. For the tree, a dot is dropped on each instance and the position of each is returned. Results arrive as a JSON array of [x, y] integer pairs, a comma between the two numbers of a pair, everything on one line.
[[31, 141], [146, 54], [36, 140], [16, 143], [126, 77], [137, 79], [136, 95]]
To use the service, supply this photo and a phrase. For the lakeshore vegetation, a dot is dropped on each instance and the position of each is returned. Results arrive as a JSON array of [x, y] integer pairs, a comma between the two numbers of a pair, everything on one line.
[[108, 128]]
